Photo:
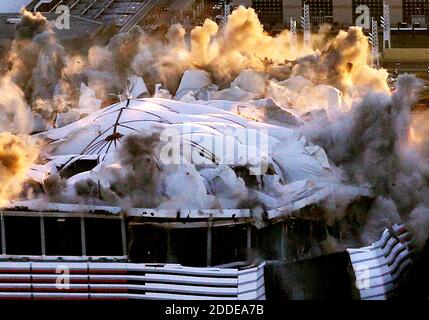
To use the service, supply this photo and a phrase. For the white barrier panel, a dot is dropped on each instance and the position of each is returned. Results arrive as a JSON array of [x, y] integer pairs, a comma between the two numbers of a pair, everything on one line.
[[123, 281], [379, 267]]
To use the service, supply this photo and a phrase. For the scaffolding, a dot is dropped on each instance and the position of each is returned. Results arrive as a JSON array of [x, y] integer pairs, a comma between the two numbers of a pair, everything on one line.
[[226, 12], [293, 38], [373, 40], [306, 25], [385, 23]]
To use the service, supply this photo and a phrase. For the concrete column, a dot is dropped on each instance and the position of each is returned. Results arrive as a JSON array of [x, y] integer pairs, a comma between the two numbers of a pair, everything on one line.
[[3, 235], [209, 246], [169, 251], [283, 242], [124, 238], [83, 235], [42, 235], [249, 237]]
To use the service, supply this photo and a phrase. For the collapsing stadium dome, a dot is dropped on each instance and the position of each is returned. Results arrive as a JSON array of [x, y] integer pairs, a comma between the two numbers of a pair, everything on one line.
[[221, 159], [295, 161]]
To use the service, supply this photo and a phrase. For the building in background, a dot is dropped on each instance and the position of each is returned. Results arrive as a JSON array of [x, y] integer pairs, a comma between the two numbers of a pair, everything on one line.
[[118, 15], [269, 11], [375, 8], [321, 11], [416, 11], [340, 11]]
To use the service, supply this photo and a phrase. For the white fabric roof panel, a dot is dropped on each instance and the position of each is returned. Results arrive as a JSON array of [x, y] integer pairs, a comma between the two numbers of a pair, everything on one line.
[[302, 174]]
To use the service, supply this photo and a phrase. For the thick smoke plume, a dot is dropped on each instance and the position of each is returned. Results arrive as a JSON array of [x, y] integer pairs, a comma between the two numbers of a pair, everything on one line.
[[418, 224], [371, 144], [51, 76], [15, 114], [139, 184], [17, 155], [343, 63], [18, 151]]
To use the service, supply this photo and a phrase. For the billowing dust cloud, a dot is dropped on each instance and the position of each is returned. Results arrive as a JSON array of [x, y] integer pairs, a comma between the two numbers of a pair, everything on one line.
[[51, 76], [18, 150], [371, 145], [140, 183], [343, 63], [15, 114], [17, 155]]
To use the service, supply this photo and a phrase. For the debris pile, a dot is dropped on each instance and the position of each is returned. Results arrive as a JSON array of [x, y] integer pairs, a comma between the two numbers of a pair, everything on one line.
[[221, 118]]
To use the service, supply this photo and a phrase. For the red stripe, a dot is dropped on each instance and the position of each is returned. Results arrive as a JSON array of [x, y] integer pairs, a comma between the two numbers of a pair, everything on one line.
[[54, 271], [109, 298], [107, 271], [50, 280], [55, 290], [60, 298], [101, 281], [113, 290], [15, 289], [27, 280]]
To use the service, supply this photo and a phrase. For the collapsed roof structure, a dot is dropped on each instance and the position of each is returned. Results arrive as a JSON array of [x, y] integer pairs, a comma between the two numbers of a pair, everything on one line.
[[207, 165], [224, 153], [222, 170]]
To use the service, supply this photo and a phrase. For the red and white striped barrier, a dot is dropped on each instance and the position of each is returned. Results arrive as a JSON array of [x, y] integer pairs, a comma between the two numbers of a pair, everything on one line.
[[123, 281], [379, 267]]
